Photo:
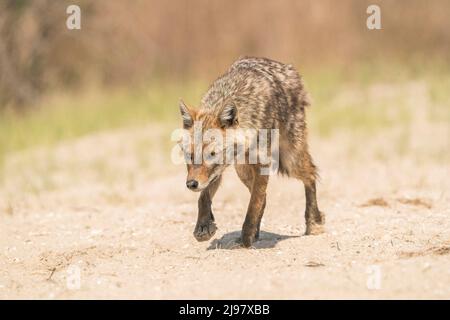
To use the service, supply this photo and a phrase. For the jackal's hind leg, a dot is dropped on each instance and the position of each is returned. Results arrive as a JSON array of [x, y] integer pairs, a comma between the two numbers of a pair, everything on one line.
[[315, 219], [206, 227]]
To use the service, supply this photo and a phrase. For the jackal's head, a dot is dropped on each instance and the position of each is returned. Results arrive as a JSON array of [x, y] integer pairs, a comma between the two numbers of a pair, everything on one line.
[[204, 144]]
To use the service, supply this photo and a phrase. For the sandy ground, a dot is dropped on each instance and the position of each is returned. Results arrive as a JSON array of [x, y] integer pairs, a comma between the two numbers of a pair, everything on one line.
[[88, 219]]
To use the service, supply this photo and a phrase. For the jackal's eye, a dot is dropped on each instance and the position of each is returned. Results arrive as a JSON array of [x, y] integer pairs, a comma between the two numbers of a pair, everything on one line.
[[189, 156], [212, 154]]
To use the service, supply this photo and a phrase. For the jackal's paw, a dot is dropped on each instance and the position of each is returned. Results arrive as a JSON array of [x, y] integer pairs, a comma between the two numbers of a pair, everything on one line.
[[248, 238], [204, 232], [247, 242], [314, 229]]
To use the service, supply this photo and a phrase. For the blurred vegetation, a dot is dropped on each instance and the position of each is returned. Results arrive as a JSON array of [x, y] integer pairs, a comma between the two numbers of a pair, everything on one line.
[[133, 60], [66, 115], [130, 42]]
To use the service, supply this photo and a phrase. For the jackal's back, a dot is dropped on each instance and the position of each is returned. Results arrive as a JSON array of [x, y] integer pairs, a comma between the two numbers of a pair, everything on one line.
[[267, 94]]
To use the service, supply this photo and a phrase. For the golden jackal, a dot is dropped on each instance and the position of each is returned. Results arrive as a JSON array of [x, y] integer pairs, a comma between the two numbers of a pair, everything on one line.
[[257, 94]]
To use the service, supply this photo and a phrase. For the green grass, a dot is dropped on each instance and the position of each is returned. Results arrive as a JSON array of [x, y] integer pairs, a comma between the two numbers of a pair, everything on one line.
[[70, 115], [363, 112], [66, 116]]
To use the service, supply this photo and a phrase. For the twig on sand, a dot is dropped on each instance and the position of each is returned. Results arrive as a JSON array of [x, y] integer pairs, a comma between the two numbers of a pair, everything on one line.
[[314, 264], [51, 274]]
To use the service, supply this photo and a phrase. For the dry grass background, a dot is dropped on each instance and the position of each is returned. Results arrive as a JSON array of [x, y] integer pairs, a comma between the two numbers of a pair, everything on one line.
[[125, 43]]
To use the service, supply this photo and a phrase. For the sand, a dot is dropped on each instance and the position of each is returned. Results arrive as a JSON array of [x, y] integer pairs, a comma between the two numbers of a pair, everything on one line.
[[86, 219]]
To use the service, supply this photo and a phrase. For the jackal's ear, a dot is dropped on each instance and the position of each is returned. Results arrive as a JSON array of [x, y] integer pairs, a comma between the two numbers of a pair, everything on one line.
[[187, 115], [228, 116]]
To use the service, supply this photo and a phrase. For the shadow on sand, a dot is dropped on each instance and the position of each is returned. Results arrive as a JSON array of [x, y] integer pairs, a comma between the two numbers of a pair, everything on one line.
[[232, 240]]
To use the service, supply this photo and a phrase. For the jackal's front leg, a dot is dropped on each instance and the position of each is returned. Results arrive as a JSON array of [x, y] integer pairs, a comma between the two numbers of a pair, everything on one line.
[[255, 210], [206, 227]]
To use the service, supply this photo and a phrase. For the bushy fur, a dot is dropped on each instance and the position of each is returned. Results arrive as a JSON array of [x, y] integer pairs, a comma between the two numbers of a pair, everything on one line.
[[257, 93]]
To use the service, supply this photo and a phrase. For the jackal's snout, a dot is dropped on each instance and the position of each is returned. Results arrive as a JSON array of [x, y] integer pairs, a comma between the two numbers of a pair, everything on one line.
[[192, 184]]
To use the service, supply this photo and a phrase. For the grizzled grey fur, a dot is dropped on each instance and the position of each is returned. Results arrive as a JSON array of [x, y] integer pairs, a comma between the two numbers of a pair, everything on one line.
[[256, 93]]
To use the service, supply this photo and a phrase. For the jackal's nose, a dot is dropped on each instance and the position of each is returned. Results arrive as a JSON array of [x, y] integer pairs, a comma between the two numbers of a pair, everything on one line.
[[192, 184]]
